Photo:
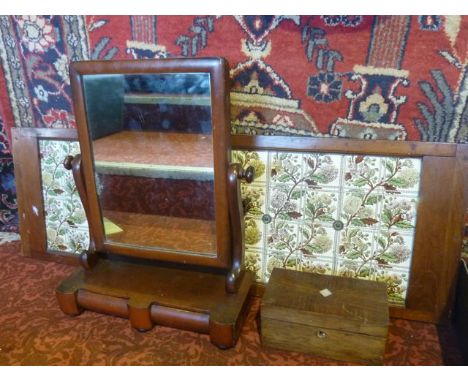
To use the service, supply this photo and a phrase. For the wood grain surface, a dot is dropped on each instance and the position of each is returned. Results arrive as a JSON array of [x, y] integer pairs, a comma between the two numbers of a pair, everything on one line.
[[349, 324], [149, 295]]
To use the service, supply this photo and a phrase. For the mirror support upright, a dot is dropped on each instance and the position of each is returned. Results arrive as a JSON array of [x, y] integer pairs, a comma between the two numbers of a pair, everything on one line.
[[89, 257], [236, 213]]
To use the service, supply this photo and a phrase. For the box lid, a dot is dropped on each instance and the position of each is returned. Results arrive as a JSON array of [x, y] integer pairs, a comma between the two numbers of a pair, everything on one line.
[[355, 305]]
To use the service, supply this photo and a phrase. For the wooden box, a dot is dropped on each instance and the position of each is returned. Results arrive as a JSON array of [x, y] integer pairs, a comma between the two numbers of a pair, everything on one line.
[[351, 324]]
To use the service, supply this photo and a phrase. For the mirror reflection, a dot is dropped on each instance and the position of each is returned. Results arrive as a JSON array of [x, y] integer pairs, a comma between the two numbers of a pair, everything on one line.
[[153, 157]]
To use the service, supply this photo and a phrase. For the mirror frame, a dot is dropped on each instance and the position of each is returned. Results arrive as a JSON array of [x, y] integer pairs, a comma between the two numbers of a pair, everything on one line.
[[218, 70]]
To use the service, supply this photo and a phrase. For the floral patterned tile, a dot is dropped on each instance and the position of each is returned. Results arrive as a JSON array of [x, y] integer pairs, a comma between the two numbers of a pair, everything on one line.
[[286, 168], [465, 248], [322, 265], [67, 227], [362, 172], [397, 283], [281, 259], [321, 170], [360, 209], [320, 206], [402, 174], [257, 159], [398, 213], [253, 229], [357, 211], [65, 211], [253, 200], [253, 262], [316, 240], [283, 236], [61, 238], [308, 170], [285, 202], [393, 249], [355, 269], [356, 245]]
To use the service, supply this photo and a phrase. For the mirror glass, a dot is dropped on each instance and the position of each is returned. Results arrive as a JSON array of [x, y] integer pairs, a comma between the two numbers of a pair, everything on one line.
[[151, 140]]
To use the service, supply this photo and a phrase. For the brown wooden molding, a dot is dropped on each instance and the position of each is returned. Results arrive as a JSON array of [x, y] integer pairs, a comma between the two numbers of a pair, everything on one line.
[[152, 295], [219, 77], [235, 174], [49, 134], [462, 156], [342, 145], [437, 239], [29, 192]]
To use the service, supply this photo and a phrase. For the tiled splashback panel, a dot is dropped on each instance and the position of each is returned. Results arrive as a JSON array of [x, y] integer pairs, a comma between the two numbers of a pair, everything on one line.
[[67, 227], [346, 215]]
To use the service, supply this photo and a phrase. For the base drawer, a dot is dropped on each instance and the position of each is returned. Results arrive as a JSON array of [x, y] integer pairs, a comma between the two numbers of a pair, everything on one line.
[[329, 343]]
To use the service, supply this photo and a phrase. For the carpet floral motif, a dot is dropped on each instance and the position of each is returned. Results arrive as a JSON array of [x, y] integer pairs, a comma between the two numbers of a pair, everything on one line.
[[321, 60]]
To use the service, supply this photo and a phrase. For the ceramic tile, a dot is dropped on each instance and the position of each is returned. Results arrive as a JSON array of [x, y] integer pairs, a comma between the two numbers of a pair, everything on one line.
[[465, 248], [257, 159], [321, 265], [62, 237], [316, 240], [321, 170], [254, 230], [320, 206], [362, 172], [356, 244], [402, 174], [280, 259], [253, 262], [69, 211], [360, 208], [66, 224], [286, 168], [282, 235], [285, 201], [394, 249], [398, 213], [253, 199], [357, 269], [397, 283]]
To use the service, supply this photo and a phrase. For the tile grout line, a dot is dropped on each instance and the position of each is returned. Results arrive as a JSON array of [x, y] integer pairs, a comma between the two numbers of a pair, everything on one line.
[[266, 211], [339, 206]]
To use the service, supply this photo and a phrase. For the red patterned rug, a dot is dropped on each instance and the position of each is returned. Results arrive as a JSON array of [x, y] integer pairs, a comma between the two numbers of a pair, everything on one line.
[[35, 332], [394, 77]]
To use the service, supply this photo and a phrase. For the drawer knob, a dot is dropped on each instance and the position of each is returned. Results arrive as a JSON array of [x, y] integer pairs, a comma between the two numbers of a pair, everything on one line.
[[321, 334]]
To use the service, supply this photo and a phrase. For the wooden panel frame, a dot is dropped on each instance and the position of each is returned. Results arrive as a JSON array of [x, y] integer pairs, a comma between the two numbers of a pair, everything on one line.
[[439, 229], [27, 164], [440, 212], [219, 78]]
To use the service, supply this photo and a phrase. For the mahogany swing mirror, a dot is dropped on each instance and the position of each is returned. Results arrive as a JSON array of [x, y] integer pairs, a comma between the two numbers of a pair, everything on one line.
[[156, 184]]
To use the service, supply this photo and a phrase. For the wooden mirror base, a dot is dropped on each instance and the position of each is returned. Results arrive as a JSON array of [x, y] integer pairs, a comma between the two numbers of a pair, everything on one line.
[[153, 295]]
